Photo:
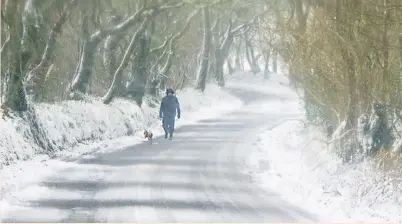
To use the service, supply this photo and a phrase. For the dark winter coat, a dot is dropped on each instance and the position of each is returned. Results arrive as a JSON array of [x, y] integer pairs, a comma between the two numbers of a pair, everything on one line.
[[169, 106]]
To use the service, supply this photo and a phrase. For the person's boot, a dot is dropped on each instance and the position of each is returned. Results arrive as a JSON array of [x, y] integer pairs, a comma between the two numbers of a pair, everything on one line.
[[171, 136], [166, 135]]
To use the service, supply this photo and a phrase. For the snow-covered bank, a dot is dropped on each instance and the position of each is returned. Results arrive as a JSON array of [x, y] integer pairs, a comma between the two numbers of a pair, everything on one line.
[[292, 160], [76, 128], [310, 175], [68, 124]]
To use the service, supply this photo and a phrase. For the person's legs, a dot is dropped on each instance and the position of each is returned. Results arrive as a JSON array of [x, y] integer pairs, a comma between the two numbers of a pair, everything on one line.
[[165, 125], [171, 127]]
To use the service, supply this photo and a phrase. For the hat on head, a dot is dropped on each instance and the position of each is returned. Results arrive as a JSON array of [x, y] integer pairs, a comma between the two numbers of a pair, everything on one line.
[[169, 90]]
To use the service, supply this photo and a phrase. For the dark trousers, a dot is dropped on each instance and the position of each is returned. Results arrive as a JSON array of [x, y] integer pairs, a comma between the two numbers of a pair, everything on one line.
[[168, 124]]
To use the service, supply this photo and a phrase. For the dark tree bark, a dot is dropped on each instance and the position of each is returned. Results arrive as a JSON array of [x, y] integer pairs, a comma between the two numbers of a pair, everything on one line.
[[266, 68], [275, 62], [118, 74], [400, 47], [140, 70], [238, 59], [206, 46], [352, 113], [35, 79], [251, 58], [111, 44], [230, 67], [222, 52], [15, 97], [385, 44], [79, 85], [169, 53]]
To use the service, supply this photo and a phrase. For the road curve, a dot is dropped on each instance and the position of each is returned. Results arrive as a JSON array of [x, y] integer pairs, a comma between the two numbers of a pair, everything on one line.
[[197, 177]]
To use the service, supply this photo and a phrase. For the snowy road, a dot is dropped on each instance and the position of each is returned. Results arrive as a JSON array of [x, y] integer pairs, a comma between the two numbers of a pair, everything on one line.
[[198, 177]]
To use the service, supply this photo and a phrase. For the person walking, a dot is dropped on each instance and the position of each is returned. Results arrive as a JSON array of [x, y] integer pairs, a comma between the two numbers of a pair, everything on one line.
[[167, 112]]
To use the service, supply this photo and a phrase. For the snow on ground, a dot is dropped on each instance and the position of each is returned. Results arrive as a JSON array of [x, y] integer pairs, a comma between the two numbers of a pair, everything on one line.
[[291, 159], [86, 128]]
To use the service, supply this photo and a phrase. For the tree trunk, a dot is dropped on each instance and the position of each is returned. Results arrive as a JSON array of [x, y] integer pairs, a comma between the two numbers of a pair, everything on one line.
[[81, 80], [33, 34], [36, 77], [109, 54], [230, 67], [221, 54], [351, 117], [248, 57], [219, 62], [118, 74], [275, 62], [79, 85], [400, 54], [15, 97], [206, 45], [218, 67], [266, 68], [164, 71], [352, 108], [112, 54], [137, 85], [251, 58], [385, 42], [238, 59], [169, 46]]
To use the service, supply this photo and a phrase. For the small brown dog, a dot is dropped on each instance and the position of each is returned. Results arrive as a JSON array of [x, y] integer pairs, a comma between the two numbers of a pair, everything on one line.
[[148, 135]]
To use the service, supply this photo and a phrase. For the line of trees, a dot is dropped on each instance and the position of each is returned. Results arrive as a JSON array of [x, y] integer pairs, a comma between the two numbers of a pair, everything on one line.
[[347, 57], [64, 49]]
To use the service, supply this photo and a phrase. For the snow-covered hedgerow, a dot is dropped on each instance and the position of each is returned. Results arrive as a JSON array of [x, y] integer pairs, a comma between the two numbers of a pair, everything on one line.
[[51, 128], [298, 160], [313, 176]]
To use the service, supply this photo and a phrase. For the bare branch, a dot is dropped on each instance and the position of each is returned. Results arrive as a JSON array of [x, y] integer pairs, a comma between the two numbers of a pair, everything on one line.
[[156, 49], [186, 26]]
